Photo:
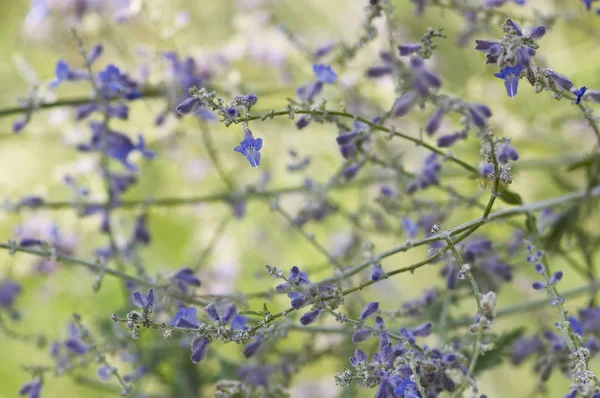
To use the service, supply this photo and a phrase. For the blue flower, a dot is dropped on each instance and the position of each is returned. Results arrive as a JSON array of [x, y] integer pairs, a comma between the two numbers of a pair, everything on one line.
[[143, 301], [199, 348], [579, 93], [510, 75], [9, 290], [64, 73], [588, 4], [185, 318], [115, 145], [250, 147], [406, 388], [576, 326], [324, 73], [112, 82], [32, 388]]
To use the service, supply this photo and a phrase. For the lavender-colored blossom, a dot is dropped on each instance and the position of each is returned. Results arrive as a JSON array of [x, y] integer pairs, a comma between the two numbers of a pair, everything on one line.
[[370, 309], [199, 348], [104, 373], [310, 316], [250, 147], [19, 124], [404, 104], [32, 389], [251, 348], [64, 73], [361, 335], [324, 73], [510, 75], [579, 93], [185, 318], [561, 80], [377, 272], [434, 122], [9, 290], [410, 227], [505, 153], [115, 145], [142, 301], [379, 71], [407, 49], [448, 140]]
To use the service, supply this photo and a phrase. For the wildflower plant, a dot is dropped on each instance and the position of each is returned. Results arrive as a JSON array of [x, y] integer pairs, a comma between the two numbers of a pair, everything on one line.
[[264, 210]]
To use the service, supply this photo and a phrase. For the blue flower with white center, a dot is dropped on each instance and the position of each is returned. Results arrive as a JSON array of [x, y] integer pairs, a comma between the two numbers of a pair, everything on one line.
[[579, 93], [250, 147], [324, 73], [510, 75]]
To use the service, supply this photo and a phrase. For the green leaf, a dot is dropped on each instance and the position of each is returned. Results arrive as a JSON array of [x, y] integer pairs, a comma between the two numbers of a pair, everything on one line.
[[531, 224], [510, 197], [249, 312], [564, 224], [495, 356]]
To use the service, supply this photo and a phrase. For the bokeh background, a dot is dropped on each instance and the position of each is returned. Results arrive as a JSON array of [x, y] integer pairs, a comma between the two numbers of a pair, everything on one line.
[[248, 46]]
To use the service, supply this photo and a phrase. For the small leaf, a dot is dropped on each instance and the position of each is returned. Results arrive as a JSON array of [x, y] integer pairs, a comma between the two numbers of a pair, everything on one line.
[[254, 313], [510, 197], [495, 356], [531, 224]]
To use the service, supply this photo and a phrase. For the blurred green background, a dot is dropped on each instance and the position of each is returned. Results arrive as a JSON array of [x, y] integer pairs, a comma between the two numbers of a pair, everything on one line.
[[245, 52]]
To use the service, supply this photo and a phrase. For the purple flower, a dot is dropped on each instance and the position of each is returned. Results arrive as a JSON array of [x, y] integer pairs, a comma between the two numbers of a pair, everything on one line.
[[510, 75], [407, 49], [561, 80], [94, 53], [434, 122], [199, 348], [510, 25], [239, 323], [19, 124], [112, 82], [370, 309], [250, 349], [104, 373], [250, 147], [359, 356], [378, 71], [422, 79], [185, 318], [377, 272], [579, 93], [32, 388], [310, 316], [30, 201], [537, 32], [448, 140], [360, 335], [410, 227], [556, 277], [188, 105], [403, 104], [538, 285], [64, 73], [143, 301], [141, 234], [115, 145], [185, 278], [9, 290], [324, 73], [506, 152], [83, 111]]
